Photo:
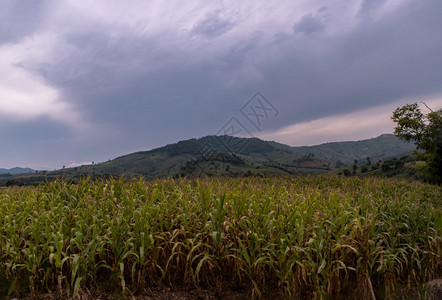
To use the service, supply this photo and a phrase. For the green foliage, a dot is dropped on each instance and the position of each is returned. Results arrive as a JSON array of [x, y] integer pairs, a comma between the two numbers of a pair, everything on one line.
[[401, 168], [228, 155], [425, 130], [307, 237]]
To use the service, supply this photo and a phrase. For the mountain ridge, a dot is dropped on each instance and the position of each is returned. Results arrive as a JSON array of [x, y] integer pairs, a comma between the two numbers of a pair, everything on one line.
[[234, 156], [16, 170], [377, 148]]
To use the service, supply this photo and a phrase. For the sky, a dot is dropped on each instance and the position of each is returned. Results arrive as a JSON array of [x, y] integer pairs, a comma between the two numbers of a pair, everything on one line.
[[84, 81]]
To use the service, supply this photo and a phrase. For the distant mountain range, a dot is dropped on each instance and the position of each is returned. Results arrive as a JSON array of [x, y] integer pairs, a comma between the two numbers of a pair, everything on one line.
[[234, 156], [14, 171]]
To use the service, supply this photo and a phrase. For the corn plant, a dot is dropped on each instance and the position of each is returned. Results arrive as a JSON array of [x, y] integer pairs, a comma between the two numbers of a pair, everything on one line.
[[306, 237]]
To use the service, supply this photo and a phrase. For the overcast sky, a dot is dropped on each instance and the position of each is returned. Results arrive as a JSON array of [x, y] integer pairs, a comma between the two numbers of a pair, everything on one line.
[[84, 81]]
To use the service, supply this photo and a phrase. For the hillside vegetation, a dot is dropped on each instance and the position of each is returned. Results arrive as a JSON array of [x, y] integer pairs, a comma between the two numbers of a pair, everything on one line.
[[302, 237], [16, 170], [230, 156]]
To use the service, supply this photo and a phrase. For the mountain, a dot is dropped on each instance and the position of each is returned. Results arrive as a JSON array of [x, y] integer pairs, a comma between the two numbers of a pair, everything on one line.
[[17, 170], [234, 156], [380, 148]]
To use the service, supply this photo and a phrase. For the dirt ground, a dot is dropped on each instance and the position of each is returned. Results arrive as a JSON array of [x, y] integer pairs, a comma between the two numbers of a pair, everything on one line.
[[226, 292]]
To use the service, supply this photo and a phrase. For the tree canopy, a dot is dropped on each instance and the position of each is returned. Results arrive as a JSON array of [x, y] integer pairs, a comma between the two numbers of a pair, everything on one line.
[[425, 130]]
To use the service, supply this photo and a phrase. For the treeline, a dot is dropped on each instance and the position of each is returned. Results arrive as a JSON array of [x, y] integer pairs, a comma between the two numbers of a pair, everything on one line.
[[43, 176], [403, 167]]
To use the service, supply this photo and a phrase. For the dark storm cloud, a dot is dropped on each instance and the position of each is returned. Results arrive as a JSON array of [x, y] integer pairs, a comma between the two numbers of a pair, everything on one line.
[[309, 24], [28, 132], [43, 143], [132, 76], [391, 59], [370, 7], [19, 18], [144, 90], [213, 25], [110, 79], [243, 52]]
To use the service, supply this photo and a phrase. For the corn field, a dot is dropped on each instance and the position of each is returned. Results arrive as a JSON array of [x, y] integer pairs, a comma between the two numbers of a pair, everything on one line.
[[308, 237]]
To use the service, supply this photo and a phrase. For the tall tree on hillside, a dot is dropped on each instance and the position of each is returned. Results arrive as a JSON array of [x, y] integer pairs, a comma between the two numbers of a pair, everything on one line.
[[425, 130]]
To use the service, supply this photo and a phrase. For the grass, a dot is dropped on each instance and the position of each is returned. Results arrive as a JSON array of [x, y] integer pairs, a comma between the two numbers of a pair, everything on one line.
[[309, 237]]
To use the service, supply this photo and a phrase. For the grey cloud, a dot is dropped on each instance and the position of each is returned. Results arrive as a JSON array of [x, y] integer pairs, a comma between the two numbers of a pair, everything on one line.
[[308, 24], [212, 26], [390, 60], [145, 95], [323, 9], [369, 7], [19, 18], [185, 94], [242, 52], [39, 144], [40, 130], [109, 82]]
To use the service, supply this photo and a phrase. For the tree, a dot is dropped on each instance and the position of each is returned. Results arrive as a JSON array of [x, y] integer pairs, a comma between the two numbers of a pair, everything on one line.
[[425, 130], [355, 167], [385, 167]]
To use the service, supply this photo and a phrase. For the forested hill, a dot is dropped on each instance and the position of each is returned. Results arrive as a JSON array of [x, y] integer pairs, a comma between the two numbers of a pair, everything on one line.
[[234, 156]]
